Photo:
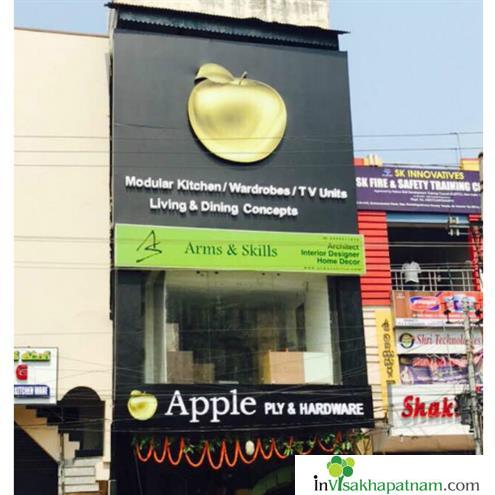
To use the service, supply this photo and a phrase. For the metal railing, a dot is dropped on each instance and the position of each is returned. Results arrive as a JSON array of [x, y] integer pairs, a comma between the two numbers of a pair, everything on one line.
[[458, 279]]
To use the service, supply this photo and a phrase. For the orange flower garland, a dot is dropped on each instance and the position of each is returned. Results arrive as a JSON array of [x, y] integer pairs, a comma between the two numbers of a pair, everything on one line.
[[223, 457]]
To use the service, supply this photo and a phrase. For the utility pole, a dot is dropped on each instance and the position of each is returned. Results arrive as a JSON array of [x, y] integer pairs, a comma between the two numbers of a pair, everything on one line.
[[473, 398], [61, 466]]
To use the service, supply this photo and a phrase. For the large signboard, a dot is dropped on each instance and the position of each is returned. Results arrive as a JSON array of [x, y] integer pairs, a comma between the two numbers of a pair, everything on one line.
[[35, 375], [214, 249], [434, 309], [235, 407], [433, 190], [436, 341], [417, 410], [231, 135]]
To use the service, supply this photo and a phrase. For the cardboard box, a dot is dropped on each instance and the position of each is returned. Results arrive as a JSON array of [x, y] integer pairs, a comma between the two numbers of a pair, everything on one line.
[[282, 367], [180, 367], [172, 336], [204, 373]]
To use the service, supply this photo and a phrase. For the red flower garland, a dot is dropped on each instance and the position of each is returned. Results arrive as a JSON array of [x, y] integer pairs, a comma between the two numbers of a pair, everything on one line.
[[223, 458]]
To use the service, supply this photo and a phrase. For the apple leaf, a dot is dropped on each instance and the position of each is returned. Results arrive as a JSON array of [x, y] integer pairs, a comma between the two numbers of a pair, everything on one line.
[[215, 73]]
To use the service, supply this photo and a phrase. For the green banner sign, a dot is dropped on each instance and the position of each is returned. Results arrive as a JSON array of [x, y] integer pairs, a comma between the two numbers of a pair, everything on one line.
[[140, 246]]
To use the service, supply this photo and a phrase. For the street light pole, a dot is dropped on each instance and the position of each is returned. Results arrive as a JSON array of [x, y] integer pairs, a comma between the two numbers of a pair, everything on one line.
[[473, 399]]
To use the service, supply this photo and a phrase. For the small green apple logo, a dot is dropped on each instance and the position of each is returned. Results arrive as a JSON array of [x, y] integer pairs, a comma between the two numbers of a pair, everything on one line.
[[141, 406]]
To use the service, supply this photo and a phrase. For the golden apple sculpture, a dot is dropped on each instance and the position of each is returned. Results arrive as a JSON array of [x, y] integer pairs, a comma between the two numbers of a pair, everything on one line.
[[235, 118], [141, 406]]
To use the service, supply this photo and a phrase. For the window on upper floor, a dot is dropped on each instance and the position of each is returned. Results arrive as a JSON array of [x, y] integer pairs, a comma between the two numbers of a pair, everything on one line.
[[427, 258]]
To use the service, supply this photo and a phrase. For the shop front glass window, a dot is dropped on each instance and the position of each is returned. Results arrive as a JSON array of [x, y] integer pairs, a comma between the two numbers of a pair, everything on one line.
[[238, 328]]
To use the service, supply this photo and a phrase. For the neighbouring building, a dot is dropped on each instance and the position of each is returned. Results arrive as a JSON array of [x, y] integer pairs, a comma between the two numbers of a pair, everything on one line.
[[295, 12], [238, 326], [63, 330], [424, 257]]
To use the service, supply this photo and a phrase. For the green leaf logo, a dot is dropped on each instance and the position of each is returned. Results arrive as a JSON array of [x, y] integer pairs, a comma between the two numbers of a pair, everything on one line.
[[340, 468]]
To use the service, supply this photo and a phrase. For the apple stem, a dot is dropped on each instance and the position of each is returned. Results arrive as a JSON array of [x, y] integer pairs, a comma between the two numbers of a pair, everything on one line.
[[244, 74]]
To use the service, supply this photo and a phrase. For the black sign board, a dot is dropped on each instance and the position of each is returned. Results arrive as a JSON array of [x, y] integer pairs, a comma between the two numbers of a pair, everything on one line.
[[164, 175], [200, 408], [31, 391]]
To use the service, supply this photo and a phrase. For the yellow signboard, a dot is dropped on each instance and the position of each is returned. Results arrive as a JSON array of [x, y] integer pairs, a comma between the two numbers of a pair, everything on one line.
[[387, 354]]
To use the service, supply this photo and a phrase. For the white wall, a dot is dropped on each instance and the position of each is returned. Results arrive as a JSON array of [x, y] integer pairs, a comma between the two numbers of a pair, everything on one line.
[[62, 204]]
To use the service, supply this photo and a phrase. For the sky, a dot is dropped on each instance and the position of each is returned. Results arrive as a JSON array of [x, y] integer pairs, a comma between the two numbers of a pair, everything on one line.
[[415, 69]]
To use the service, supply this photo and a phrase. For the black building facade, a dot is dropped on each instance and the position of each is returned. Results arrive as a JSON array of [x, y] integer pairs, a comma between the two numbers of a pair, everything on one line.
[[237, 312]]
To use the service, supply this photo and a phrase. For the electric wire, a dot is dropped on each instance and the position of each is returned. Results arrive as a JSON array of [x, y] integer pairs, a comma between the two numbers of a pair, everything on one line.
[[398, 246], [326, 137]]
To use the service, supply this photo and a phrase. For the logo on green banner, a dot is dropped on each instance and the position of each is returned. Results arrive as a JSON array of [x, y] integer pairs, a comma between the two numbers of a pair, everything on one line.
[[140, 246]]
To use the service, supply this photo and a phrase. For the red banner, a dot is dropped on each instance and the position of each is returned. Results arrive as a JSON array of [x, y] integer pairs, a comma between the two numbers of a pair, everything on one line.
[[434, 309]]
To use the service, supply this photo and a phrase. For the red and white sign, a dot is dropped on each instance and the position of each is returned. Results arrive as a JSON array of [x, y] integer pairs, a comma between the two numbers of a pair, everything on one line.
[[434, 309], [425, 410], [21, 372], [35, 375]]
